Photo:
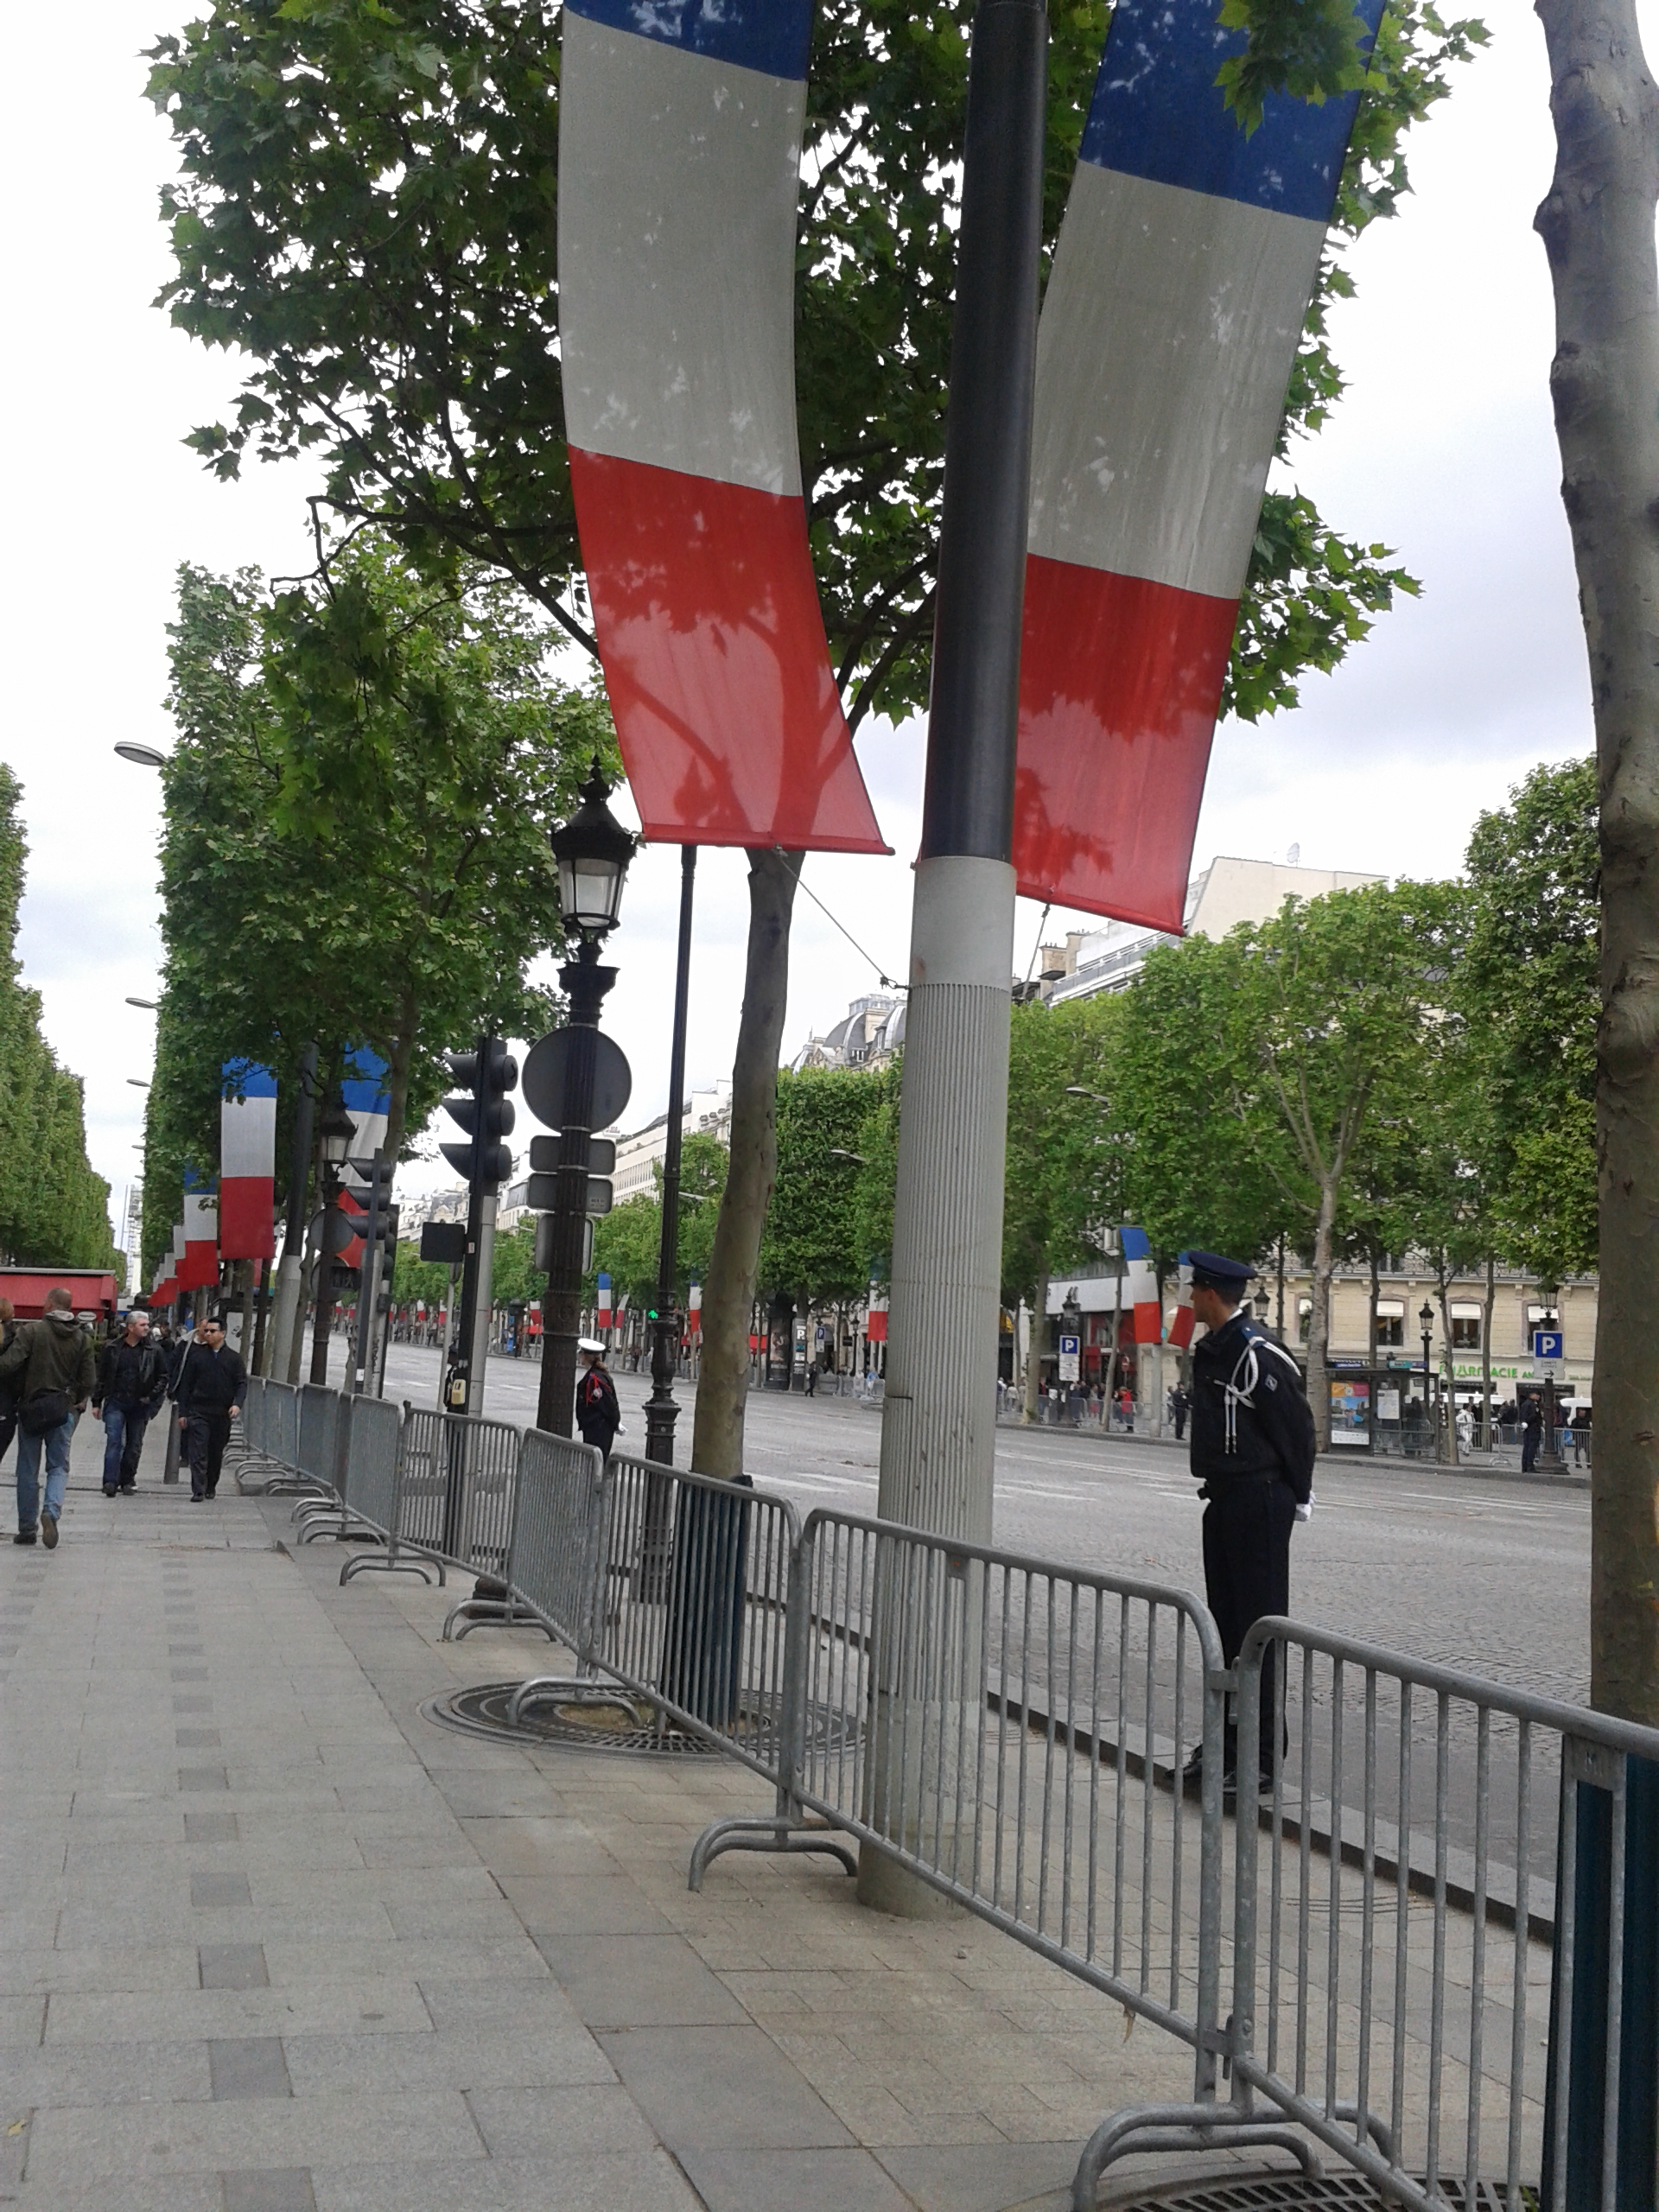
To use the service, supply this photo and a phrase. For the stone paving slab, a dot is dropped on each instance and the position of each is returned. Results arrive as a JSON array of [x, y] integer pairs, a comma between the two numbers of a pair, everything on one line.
[[273, 1941]]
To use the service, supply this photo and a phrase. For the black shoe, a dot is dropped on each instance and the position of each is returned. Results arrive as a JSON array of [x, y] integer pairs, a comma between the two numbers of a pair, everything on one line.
[[24, 1536], [213, 1493], [197, 1497], [108, 1492], [128, 1489], [49, 1531]]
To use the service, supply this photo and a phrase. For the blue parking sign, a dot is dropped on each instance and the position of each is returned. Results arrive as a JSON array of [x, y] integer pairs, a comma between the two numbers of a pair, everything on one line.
[[1546, 1344]]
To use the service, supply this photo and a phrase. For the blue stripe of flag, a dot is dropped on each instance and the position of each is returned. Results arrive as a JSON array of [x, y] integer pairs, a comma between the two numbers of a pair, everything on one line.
[[1136, 1244], [247, 1079], [363, 1087], [774, 36], [1157, 113]]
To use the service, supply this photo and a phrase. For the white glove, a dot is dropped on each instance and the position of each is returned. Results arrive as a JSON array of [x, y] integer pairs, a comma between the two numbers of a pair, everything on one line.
[[1306, 1512]]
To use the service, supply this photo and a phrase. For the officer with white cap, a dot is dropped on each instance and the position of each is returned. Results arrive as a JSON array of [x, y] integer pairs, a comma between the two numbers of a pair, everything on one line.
[[598, 1414], [1252, 1449]]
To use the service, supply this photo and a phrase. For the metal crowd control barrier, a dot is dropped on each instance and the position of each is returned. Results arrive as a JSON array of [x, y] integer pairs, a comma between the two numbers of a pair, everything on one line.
[[690, 1598], [1013, 1734], [1467, 1974], [1435, 1934], [526, 1520]]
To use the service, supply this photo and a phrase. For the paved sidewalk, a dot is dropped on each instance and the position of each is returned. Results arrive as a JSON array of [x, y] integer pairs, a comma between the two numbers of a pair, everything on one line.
[[272, 1940]]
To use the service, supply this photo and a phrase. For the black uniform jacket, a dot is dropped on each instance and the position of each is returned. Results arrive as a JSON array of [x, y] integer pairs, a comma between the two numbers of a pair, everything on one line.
[[131, 1374], [598, 1414], [1251, 1413]]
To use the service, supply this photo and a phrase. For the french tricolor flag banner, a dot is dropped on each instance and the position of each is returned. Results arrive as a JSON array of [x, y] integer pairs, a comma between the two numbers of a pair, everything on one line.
[[875, 1326], [1182, 1321], [247, 1162], [364, 1094], [1141, 1286], [679, 159], [693, 1309], [603, 1286], [199, 1268], [1181, 282]]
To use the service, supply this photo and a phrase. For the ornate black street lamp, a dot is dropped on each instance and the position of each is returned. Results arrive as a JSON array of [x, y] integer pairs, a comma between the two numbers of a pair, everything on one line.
[[593, 851], [1425, 1324]]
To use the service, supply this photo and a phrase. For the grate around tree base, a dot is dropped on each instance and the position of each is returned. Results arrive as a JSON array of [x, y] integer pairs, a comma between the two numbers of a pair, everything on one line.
[[606, 1718], [608, 1721], [1289, 2189]]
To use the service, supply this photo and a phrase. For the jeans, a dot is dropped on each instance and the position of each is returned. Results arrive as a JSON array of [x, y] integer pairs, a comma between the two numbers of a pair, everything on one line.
[[56, 1441], [124, 1439]]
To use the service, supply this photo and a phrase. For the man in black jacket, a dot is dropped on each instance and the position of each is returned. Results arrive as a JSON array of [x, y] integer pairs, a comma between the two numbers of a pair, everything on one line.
[[1253, 1451], [131, 1384], [211, 1385]]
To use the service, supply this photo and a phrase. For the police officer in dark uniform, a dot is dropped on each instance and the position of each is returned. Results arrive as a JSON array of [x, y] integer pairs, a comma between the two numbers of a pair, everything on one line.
[[1253, 1451]]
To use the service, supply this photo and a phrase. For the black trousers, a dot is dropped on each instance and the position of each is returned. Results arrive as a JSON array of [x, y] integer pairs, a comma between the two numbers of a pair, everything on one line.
[[205, 1440], [1246, 1527]]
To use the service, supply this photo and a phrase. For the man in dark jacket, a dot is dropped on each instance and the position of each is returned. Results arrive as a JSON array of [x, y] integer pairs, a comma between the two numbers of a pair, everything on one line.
[[211, 1385], [131, 1384], [598, 1414], [1253, 1451], [54, 1358]]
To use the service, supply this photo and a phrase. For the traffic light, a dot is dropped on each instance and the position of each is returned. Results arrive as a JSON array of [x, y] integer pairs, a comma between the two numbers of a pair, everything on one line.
[[485, 1113], [372, 1191]]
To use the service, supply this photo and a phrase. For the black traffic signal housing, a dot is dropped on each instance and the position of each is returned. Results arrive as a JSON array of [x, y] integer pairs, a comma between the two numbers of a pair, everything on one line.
[[484, 1112]]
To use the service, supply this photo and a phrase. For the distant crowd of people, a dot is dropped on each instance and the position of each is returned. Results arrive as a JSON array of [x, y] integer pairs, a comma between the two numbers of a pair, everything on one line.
[[53, 1370]]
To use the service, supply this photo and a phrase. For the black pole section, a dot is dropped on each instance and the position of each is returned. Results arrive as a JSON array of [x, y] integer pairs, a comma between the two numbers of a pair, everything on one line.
[[299, 1165], [661, 1411], [969, 805], [332, 1245], [458, 1383], [585, 983]]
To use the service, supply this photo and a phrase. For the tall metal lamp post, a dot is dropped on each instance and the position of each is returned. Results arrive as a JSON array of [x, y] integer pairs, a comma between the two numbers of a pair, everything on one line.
[[593, 851], [335, 1133], [1425, 1324]]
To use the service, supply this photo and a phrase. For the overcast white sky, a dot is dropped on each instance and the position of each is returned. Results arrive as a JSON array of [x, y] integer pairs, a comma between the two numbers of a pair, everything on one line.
[[1443, 449]]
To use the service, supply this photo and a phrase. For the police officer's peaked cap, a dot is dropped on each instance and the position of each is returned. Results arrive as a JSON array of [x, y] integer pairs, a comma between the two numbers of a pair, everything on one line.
[[589, 1344], [1213, 1271]]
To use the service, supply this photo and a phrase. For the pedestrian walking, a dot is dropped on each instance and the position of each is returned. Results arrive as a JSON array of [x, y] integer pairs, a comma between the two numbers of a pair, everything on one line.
[[811, 1376], [598, 1414], [1580, 1427], [1532, 1433], [130, 1391], [212, 1384], [57, 1368], [12, 1385], [1179, 1401], [1252, 1451]]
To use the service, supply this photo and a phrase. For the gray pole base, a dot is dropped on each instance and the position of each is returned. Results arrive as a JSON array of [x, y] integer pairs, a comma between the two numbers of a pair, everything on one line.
[[885, 1886]]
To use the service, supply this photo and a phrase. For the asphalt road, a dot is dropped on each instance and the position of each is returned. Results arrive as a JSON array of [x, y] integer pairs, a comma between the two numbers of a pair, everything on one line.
[[1473, 1570]]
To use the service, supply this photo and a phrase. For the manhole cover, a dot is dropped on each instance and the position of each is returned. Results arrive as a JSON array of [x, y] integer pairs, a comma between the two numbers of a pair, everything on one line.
[[1292, 2190]]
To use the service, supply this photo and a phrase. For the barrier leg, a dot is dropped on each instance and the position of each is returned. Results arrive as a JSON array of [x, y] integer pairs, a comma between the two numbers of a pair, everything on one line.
[[778, 1831]]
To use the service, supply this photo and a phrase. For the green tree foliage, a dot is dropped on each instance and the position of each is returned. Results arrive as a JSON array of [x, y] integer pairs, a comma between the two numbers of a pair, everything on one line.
[[1528, 990], [53, 1209], [811, 1247], [1193, 1178], [627, 1242], [1064, 1177], [415, 1279], [356, 846]]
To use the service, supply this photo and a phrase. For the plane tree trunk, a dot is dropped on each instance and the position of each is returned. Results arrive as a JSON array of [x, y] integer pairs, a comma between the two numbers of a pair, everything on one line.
[[1597, 223], [729, 1290]]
